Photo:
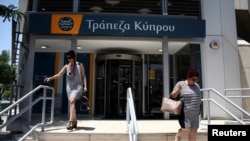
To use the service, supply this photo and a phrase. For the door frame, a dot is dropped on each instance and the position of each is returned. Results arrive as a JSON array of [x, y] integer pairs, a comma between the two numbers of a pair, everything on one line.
[[113, 56]]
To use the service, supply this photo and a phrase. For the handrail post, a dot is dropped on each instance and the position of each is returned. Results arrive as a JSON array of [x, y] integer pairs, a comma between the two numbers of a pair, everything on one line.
[[241, 104], [224, 109], [131, 117], [208, 111], [128, 112], [241, 100], [44, 109], [52, 105], [28, 96]]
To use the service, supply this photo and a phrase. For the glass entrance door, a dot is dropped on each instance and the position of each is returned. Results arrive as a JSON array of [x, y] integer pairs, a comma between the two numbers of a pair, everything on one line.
[[114, 74]]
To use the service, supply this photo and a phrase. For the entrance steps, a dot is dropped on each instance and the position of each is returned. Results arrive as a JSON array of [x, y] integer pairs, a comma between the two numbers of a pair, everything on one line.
[[113, 130], [112, 137], [97, 129]]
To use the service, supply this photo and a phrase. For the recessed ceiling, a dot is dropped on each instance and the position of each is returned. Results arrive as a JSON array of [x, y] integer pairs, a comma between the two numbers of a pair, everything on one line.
[[109, 45], [175, 7]]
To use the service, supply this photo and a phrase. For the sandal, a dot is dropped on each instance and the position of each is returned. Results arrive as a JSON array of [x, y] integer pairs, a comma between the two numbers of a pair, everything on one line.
[[70, 127], [74, 124]]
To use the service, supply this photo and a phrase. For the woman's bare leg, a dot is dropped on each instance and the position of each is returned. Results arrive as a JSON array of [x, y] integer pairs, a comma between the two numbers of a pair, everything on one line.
[[192, 134], [72, 110], [182, 132]]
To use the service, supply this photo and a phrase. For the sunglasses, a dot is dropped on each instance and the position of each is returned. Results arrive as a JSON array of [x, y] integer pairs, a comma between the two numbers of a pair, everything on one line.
[[69, 57], [194, 79]]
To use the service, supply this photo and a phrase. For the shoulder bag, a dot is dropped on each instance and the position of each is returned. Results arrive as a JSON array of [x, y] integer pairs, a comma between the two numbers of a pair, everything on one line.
[[172, 106]]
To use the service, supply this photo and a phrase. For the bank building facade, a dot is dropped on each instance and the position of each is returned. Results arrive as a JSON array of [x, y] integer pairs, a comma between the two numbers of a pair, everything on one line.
[[145, 45]]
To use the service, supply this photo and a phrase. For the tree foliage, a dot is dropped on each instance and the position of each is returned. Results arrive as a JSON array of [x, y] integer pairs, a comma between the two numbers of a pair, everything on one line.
[[10, 12], [7, 73], [6, 94]]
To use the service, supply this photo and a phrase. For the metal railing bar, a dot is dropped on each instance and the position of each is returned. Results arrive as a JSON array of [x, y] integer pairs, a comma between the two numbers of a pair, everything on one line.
[[131, 117], [43, 123], [44, 97], [237, 89], [34, 127], [130, 133], [224, 109], [30, 131], [238, 96], [134, 117], [23, 111], [128, 118], [225, 98], [24, 97], [20, 113], [241, 96]]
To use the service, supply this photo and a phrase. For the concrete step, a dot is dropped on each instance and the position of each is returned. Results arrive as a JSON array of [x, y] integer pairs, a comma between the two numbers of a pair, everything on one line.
[[29, 138], [14, 136], [5, 136], [112, 137], [98, 129], [114, 130]]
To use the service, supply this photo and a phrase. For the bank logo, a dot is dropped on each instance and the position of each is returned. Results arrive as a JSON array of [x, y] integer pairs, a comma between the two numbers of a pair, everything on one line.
[[66, 23]]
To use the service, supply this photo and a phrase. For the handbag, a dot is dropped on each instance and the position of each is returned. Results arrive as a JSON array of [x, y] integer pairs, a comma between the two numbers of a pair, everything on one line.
[[84, 103], [172, 106]]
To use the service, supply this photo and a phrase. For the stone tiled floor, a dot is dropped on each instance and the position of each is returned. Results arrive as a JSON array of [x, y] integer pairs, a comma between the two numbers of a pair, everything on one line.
[[95, 129], [96, 125]]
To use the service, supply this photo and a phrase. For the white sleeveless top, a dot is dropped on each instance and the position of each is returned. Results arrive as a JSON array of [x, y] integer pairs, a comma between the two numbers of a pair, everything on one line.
[[74, 81]]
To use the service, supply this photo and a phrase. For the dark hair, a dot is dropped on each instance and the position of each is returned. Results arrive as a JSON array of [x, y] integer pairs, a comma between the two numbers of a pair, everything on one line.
[[192, 73], [71, 53]]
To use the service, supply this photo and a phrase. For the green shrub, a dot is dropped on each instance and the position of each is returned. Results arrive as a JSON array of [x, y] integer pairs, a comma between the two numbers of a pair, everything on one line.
[[6, 94]]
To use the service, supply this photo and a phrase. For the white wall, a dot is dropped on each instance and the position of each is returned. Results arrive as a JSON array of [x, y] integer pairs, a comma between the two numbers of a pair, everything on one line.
[[220, 66], [242, 4], [245, 74]]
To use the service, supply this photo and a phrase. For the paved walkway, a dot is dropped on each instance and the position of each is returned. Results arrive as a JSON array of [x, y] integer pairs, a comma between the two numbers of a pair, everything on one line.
[[98, 125], [95, 125]]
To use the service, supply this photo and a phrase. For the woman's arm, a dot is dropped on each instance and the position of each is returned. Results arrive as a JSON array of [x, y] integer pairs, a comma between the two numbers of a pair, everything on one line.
[[56, 76], [83, 77], [174, 94]]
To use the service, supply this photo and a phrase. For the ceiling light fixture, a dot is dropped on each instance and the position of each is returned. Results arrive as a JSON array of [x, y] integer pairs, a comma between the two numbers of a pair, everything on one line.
[[112, 2], [144, 11], [79, 47], [160, 50], [96, 9], [44, 46]]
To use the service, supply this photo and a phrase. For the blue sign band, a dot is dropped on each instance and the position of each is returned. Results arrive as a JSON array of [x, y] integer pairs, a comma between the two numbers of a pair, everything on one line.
[[127, 25]]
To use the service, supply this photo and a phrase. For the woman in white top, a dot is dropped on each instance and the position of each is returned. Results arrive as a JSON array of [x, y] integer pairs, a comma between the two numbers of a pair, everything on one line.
[[76, 84]]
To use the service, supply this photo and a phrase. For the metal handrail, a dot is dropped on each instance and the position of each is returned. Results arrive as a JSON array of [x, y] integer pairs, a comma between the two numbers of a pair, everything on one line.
[[44, 98], [131, 117], [224, 109], [236, 89], [241, 96]]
